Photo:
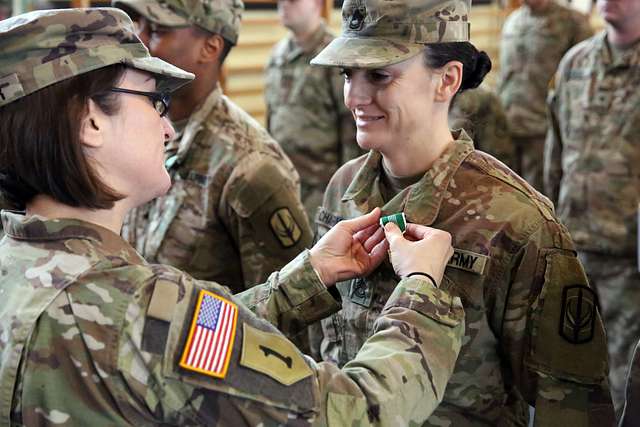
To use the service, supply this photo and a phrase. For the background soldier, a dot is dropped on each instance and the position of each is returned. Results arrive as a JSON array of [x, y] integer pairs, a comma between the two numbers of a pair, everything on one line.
[[480, 113], [592, 165], [233, 213], [305, 108], [534, 38]]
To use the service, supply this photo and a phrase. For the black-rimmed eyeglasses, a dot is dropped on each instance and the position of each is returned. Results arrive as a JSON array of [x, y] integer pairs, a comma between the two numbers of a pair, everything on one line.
[[160, 100]]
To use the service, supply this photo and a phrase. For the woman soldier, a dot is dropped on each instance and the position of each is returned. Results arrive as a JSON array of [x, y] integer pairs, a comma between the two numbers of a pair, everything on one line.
[[90, 334], [533, 335]]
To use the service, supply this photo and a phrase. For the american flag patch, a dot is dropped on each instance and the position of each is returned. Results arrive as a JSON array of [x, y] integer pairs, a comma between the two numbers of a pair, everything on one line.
[[210, 339]]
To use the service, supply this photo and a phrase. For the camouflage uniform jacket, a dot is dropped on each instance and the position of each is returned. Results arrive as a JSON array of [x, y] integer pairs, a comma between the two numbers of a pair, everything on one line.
[[512, 263], [233, 213], [631, 415], [531, 47], [307, 116], [91, 335], [592, 159], [480, 113]]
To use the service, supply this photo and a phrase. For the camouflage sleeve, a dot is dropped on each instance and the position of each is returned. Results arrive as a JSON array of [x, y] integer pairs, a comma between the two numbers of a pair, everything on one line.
[[631, 415], [552, 167], [554, 336], [259, 377], [265, 217], [292, 298]]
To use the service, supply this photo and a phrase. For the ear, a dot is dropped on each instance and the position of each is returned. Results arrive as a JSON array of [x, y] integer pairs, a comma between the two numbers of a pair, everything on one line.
[[93, 127], [450, 79], [211, 49]]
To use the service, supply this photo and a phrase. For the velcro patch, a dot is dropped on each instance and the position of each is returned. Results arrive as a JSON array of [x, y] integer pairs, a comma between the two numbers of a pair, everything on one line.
[[10, 88], [272, 355], [285, 227], [468, 261], [210, 339]]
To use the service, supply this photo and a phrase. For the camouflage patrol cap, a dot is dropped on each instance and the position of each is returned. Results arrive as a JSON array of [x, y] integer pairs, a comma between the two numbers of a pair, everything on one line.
[[217, 16], [40, 48], [376, 33]]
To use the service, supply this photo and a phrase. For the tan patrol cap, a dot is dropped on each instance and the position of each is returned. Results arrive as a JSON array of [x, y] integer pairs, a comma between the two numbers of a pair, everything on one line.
[[40, 48], [376, 33], [217, 16]]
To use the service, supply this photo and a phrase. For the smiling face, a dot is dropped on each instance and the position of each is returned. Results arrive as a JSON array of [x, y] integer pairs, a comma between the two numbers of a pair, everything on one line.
[[392, 106], [128, 147]]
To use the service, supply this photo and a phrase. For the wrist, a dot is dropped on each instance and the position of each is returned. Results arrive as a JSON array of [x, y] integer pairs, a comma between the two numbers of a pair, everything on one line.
[[320, 270], [424, 276]]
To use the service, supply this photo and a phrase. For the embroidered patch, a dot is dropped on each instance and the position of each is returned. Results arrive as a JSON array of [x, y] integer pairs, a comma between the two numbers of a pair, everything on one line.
[[210, 339], [578, 314], [272, 355], [468, 261], [285, 227]]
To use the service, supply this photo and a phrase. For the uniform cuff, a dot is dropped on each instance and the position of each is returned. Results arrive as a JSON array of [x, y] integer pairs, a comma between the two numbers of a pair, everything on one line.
[[419, 295]]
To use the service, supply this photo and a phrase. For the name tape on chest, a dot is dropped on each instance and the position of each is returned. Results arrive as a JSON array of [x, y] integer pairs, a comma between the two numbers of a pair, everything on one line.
[[210, 340], [326, 218], [468, 261]]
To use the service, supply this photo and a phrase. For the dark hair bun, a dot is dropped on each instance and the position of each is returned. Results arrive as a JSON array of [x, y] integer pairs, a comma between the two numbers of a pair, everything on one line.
[[477, 69]]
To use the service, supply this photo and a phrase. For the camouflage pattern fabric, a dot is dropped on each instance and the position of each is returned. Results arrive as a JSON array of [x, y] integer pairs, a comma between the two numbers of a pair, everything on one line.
[[233, 213], [527, 339], [631, 415], [531, 48], [307, 116], [376, 33], [91, 335], [44, 47], [217, 16], [480, 113], [592, 168]]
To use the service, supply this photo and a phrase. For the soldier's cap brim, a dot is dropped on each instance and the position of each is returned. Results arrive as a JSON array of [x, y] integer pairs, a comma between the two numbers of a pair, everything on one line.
[[365, 52], [153, 11], [168, 76]]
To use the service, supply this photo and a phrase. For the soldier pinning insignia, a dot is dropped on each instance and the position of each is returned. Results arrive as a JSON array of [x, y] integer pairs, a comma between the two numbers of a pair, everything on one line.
[[578, 315], [285, 227], [210, 340]]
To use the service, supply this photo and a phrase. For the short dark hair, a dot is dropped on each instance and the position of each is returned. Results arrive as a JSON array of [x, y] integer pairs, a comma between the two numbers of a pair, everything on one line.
[[475, 64], [40, 149]]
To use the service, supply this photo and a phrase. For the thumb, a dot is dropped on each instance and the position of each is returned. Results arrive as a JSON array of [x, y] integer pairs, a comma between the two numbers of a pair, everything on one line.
[[392, 233]]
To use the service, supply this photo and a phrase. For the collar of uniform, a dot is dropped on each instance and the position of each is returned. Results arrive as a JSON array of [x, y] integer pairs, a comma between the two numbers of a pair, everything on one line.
[[630, 57], [193, 126], [420, 201], [37, 229], [309, 47]]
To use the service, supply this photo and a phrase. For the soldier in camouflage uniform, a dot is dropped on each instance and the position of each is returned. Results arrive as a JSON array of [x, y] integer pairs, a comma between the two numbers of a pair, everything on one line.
[[305, 108], [534, 39], [91, 334], [480, 113], [533, 335], [592, 167], [233, 213]]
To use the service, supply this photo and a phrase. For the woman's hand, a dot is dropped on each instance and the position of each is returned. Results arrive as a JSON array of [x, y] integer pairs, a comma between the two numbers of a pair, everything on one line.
[[421, 249], [351, 248]]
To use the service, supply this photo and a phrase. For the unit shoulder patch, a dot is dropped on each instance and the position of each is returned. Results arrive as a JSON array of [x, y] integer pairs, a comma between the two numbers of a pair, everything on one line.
[[285, 228], [272, 355]]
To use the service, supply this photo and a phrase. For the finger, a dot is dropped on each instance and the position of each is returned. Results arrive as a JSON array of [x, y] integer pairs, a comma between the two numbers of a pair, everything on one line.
[[363, 235], [360, 223], [392, 233], [377, 255], [418, 231], [373, 240]]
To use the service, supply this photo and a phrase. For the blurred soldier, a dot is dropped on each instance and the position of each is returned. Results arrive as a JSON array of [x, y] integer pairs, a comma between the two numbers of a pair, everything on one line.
[[305, 108], [479, 112], [233, 213], [534, 38], [93, 335], [592, 167]]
